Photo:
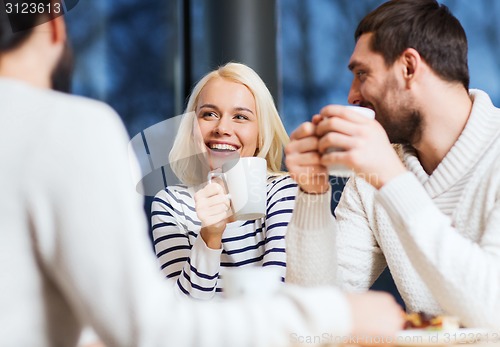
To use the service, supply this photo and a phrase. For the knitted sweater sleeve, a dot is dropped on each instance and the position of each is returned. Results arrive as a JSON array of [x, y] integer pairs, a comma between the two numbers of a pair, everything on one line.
[[322, 250], [359, 257], [461, 274], [194, 267], [310, 241]]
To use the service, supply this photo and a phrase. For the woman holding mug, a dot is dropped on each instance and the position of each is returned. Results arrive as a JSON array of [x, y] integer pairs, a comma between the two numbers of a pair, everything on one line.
[[230, 114]]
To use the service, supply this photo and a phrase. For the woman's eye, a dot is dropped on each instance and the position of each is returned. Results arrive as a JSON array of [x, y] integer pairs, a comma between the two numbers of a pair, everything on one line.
[[209, 115], [240, 117]]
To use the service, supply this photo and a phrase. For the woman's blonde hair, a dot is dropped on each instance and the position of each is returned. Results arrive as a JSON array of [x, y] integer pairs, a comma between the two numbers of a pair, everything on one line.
[[184, 157]]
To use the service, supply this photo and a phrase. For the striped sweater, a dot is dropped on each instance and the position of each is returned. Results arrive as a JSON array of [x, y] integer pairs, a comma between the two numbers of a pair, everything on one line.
[[195, 268]]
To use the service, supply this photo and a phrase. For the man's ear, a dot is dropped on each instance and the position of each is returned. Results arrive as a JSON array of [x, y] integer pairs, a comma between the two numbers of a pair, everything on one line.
[[58, 27], [411, 63]]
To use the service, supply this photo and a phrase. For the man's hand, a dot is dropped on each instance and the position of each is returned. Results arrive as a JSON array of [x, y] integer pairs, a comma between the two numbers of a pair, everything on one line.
[[364, 145], [375, 315], [304, 162]]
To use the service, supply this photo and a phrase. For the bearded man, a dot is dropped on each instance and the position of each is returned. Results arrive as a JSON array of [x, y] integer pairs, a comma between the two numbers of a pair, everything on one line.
[[430, 211]]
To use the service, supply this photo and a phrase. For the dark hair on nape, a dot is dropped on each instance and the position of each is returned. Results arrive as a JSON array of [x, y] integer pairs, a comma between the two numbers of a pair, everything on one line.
[[16, 27], [425, 25]]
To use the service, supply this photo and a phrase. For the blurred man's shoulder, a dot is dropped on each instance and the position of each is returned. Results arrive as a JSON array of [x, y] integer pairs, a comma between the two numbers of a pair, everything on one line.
[[80, 106]]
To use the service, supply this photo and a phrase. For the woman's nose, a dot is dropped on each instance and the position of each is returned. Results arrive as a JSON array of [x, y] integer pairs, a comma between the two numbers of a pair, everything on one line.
[[223, 126]]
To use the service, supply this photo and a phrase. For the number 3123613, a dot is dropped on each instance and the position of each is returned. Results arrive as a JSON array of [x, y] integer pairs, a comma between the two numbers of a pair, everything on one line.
[[32, 8]]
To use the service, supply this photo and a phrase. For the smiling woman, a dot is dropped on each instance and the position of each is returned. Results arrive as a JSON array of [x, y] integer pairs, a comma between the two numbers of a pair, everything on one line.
[[230, 114], [227, 121], [238, 81]]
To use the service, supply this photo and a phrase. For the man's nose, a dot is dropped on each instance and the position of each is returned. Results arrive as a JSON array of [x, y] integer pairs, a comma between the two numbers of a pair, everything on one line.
[[354, 96]]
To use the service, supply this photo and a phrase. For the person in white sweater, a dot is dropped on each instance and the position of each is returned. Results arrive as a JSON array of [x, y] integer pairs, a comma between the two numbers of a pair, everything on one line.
[[196, 236], [67, 261], [430, 211]]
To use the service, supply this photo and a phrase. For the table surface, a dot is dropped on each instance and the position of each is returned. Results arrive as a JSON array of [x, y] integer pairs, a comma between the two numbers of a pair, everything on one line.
[[409, 338]]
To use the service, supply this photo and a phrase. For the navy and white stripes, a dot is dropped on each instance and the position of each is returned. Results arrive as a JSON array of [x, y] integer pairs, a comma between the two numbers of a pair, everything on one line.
[[186, 259]]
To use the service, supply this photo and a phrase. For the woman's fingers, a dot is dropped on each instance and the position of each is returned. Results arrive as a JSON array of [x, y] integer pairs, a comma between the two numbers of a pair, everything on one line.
[[212, 204]]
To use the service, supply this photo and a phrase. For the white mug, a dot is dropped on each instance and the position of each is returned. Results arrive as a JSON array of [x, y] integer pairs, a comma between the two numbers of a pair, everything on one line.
[[341, 170], [245, 179], [251, 281]]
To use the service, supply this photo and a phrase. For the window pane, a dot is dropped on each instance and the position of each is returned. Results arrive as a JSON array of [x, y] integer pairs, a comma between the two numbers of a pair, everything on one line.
[[125, 52], [316, 39]]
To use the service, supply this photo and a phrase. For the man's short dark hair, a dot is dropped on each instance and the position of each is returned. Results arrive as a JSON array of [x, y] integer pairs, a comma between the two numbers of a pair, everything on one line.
[[425, 25], [18, 18]]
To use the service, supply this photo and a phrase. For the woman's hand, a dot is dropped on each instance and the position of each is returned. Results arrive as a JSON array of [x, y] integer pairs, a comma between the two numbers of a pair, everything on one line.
[[213, 208]]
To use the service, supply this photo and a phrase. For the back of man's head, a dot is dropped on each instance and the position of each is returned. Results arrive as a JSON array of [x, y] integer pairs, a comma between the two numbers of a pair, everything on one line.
[[19, 17], [425, 25]]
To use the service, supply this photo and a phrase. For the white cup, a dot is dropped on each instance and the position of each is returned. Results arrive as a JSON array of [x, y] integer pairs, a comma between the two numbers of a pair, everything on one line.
[[245, 179], [341, 170], [251, 281]]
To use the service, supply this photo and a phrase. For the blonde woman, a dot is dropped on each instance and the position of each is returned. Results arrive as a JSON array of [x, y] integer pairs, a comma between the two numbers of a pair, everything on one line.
[[229, 113]]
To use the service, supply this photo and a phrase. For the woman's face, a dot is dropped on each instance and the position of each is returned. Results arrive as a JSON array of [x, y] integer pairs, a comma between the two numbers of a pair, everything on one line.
[[227, 120]]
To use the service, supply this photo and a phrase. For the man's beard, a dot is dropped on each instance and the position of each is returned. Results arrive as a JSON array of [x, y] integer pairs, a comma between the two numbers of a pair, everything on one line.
[[402, 122], [404, 127], [63, 72]]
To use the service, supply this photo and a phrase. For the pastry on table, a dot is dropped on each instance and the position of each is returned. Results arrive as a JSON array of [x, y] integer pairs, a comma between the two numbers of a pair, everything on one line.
[[420, 320]]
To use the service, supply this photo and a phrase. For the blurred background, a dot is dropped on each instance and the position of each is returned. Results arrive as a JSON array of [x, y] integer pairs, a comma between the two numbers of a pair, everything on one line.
[[143, 56]]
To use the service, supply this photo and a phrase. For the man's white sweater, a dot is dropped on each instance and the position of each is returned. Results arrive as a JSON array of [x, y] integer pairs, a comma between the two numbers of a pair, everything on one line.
[[74, 249], [439, 234]]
